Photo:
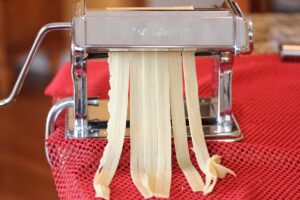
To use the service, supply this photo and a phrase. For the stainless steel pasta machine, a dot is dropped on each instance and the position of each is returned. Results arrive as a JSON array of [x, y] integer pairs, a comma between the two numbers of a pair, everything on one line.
[[214, 28]]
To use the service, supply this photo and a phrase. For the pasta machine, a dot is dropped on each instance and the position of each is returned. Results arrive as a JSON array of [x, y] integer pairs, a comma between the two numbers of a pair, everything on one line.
[[215, 28]]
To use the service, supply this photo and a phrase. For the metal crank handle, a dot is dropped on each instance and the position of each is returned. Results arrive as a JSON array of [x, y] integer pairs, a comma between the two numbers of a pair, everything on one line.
[[23, 73]]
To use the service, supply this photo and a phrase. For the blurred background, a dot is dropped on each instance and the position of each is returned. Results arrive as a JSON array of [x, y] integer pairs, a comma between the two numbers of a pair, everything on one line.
[[24, 172]]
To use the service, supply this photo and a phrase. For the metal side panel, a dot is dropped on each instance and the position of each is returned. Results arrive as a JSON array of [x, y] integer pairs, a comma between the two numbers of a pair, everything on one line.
[[242, 33], [156, 28], [169, 29]]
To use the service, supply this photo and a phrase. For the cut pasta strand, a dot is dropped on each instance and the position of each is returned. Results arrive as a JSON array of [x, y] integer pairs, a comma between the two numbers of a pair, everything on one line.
[[137, 167], [164, 170], [179, 125], [210, 166], [193, 108], [117, 107], [149, 119]]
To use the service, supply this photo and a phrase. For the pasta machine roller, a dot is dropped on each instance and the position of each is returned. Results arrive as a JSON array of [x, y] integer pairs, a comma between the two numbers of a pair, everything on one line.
[[214, 28]]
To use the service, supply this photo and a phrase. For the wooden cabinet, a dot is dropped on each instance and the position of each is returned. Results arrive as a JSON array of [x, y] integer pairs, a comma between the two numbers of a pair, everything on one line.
[[4, 67], [19, 24], [25, 18], [261, 6], [245, 6]]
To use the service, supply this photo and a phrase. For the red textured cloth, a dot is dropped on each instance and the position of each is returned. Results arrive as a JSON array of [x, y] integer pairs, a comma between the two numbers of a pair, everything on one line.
[[266, 103]]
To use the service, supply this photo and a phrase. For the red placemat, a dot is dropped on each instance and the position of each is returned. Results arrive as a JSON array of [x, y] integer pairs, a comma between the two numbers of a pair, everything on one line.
[[266, 103]]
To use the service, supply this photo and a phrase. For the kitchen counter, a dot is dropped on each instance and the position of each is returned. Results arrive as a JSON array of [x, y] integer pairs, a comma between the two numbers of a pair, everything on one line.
[[273, 29]]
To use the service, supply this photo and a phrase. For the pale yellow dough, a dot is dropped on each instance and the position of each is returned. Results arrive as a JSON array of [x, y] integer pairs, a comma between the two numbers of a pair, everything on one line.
[[210, 166], [119, 82], [179, 125], [155, 95], [137, 135]]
